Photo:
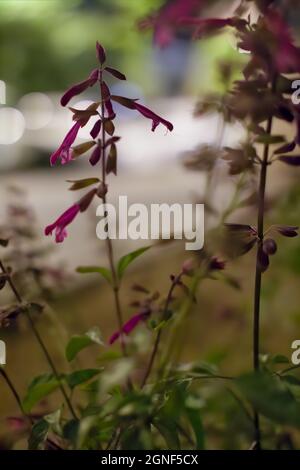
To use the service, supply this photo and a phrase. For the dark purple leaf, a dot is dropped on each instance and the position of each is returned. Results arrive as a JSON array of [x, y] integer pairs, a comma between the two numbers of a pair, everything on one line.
[[269, 246], [112, 140], [287, 231], [248, 246], [105, 91], [284, 113], [290, 160], [286, 148], [96, 129], [79, 87], [115, 73], [263, 260], [95, 156], [85, 201], [240, 228], [100, 53], [110, 110]]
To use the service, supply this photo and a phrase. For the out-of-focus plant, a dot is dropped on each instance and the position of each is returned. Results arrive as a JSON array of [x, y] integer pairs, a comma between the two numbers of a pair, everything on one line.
[[256, 101]]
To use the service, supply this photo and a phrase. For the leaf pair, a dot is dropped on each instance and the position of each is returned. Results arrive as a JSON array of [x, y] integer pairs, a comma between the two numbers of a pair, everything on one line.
[[122, 265]]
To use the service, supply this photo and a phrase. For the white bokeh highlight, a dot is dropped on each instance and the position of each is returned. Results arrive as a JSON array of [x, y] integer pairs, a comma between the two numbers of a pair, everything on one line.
[[37, 109], [12, 125]]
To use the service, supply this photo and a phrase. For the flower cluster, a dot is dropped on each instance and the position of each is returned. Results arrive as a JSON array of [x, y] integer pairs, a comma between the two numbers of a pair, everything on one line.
[[104, 111], [168, 19]]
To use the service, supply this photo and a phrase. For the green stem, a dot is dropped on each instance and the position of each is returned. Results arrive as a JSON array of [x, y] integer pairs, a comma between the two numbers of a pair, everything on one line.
[[110, 252], [20, 405], [159, 334], [15, 394]]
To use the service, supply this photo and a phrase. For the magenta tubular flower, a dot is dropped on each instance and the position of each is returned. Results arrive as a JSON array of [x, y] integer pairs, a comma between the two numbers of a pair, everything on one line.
[[64, 151], [130, 325], [80, 87], [146, 112], [156, 120], [168, 18], [206, 26], [286, 54], [61, 223]]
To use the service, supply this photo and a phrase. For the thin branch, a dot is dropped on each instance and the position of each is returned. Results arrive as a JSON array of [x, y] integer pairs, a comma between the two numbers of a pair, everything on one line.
[[20, 405], [258, 272], [110, 252], [175, 282], [39, 339]]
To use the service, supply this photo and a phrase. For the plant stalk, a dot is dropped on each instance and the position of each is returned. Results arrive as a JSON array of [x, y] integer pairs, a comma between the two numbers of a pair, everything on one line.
[[258, 273], [110, 252], [175, 282], [39, 340]]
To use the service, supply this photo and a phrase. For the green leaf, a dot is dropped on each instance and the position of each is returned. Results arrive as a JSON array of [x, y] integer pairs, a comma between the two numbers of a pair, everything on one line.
[[82, 148], [79, 184], [70, 430], [197, 425], [38, 435], [279, 359], [111, 162], [270, 139], [79, 342], [291, 379], [168, 429], [53, 418], [105, 272], [128, 259], [198, 368], [80, 376], [39, 388], [271, 398]]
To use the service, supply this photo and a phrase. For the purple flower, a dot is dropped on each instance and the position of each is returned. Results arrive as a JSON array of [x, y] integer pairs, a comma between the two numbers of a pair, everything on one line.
[[61, 223], [146, 112], [286, 54], [166, 21], [205, 26], [80, 87], [156, 120], [64, 151], [130, 325]]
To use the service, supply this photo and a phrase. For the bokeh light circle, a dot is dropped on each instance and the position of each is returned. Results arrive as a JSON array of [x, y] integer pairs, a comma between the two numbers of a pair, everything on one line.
[[37, 109], [12, 125]]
